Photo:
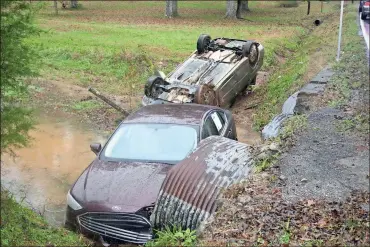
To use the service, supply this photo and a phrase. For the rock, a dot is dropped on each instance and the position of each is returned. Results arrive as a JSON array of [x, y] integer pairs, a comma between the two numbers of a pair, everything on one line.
[[304, 180], [274, 146], [244, 199], [264, 148], [282, 177], [263, 156], [365, 207]]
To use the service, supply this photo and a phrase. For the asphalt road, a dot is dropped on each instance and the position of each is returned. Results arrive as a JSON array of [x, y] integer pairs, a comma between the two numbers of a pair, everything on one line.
[[326, 162]]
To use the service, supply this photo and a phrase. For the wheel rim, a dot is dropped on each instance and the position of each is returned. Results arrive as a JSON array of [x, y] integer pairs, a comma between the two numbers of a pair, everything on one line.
[[209, 97], [206, 96]]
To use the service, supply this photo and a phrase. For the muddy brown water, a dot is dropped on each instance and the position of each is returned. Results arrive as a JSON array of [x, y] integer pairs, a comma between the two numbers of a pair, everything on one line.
[[41, 174]]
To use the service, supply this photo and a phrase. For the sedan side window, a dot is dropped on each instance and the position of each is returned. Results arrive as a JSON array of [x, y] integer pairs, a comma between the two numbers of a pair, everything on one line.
[[219, 121], [209, 128]]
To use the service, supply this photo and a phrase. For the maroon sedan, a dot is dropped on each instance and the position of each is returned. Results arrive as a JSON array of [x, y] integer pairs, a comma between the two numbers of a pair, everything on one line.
[[115, 195]]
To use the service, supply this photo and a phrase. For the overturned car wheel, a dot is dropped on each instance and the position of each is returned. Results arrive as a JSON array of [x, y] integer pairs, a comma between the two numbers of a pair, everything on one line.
[[205, 95], [151, 86], [250, 50], [203, 43]]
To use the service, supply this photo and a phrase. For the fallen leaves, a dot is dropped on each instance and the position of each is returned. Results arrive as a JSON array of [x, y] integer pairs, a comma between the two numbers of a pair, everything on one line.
[[262, 219]]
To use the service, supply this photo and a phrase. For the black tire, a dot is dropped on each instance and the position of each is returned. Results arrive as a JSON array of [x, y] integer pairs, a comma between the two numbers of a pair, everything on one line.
[[149, 89], [363, 16], [250, 50], [203, 43]]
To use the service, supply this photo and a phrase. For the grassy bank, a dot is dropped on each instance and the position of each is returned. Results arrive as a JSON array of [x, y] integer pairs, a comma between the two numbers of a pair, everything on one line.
[[115, 46], [21, 226], [312, 53]]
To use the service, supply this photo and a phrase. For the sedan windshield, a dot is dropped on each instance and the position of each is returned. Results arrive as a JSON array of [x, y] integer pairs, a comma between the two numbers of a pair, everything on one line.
[[166, 143]]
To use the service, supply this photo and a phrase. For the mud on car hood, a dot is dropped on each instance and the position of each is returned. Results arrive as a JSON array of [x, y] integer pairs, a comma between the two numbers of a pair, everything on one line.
[[119, 186]]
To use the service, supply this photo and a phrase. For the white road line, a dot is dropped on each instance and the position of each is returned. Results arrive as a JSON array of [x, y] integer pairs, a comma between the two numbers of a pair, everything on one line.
[[365, 33]]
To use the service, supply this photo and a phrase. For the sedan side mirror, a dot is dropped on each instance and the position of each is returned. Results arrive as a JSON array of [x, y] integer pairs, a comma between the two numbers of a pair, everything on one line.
[[95, 147]]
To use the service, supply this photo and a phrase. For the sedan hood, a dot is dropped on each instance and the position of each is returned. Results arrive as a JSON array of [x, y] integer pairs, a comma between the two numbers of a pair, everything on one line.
[[119, 186]]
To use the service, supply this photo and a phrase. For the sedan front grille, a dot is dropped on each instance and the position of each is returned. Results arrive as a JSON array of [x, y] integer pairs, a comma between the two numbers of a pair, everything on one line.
[[126, 227]]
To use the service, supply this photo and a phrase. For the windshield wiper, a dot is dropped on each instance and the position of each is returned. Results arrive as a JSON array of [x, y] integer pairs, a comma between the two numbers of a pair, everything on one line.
[[160, 162]]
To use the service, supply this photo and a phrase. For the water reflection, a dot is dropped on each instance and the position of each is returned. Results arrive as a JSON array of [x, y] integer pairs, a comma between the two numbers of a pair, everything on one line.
[[42, 173]]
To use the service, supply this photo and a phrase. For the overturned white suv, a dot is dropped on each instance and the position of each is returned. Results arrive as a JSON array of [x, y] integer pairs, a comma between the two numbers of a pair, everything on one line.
[[213, 75]]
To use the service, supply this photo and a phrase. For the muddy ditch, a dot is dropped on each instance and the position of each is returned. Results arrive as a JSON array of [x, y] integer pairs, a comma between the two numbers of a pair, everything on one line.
[[69, 119], [41, 174]]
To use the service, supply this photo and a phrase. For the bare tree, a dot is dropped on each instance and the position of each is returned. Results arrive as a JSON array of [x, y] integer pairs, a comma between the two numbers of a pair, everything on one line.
[[171, 8], [73, 4], [56, 7], [233, 9], [244, 5]]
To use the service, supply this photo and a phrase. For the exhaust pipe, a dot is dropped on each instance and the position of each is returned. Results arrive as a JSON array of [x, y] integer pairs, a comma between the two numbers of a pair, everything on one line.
[[317, 22]]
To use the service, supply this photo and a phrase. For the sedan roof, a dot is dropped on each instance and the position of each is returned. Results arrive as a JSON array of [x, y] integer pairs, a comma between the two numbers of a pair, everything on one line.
[[170, 113]]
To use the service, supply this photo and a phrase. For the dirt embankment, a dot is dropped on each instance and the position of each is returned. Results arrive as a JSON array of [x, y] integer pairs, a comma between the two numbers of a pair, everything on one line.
[[57, 98]]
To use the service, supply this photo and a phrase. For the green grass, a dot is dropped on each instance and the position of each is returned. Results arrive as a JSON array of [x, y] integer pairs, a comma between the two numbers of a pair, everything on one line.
[[352, 69], [173, 237], [317, 46], [21, 226], [293, 125], [116, 46], [266, 163], [86, 105], [285, 237]]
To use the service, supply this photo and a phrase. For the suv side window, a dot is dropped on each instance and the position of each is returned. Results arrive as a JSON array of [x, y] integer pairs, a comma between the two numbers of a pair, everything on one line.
[[213, 125]]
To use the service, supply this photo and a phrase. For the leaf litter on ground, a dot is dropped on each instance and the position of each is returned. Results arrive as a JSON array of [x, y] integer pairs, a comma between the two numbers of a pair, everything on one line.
[[255, 213]]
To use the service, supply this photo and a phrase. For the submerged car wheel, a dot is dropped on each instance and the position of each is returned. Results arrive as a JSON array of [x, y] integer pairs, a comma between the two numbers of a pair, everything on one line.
[[150, 86], [250, 50], [203, 43], [205, 95]]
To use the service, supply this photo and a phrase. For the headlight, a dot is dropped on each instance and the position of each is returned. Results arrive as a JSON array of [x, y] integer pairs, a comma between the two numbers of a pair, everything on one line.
[[72, 202]]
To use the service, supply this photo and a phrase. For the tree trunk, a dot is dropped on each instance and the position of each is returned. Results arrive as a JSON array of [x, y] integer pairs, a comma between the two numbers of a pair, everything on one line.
[[73, 4], [233, 9], [308, 7], [56, 7], [171, 8], [244, 5]]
